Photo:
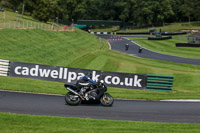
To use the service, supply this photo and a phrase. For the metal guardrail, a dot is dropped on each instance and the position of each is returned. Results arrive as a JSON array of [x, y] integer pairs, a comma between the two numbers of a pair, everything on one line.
[[159, 82], [4, 67]]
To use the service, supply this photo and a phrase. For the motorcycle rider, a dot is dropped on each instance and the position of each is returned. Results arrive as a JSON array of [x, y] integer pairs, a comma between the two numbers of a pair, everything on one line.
[[126, 47], [86, 84]]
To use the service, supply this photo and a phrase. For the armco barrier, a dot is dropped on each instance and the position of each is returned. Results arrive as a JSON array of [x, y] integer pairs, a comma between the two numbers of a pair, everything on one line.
[[159, 82], [68, 75]]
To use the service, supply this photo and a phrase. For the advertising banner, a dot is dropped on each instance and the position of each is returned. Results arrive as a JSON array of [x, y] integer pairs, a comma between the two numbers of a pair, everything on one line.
[[71, 75]]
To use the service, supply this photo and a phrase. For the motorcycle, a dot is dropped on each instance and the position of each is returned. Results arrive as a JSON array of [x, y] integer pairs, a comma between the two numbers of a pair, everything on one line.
[[126, 47], [88, 92]]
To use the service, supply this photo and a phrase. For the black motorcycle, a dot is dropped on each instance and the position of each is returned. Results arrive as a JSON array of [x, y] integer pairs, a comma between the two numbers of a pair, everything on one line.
[[88, 92]]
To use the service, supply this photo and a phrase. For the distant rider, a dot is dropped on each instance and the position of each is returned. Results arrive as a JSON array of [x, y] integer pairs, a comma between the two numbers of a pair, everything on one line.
[[126, 47]]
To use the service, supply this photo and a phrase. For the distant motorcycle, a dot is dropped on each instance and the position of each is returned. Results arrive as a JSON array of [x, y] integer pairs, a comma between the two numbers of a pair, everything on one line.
[[87, 91], [126, 47]]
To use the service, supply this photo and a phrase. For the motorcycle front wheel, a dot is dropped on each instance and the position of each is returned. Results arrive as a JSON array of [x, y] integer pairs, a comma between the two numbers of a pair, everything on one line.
[[107, 100], [72, 99]]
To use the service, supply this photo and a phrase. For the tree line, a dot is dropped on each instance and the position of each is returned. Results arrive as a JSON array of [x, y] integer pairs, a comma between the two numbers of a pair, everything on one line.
[[135, 12]]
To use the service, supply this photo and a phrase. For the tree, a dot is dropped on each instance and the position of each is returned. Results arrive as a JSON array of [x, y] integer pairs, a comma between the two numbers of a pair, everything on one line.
[[14, 4], [139, 13], [72, 9], [23, 5], [45, 10], [188, 9]]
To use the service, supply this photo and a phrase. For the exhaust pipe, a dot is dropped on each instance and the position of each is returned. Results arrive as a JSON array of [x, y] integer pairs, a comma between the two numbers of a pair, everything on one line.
[[76, 93], [69, 89]]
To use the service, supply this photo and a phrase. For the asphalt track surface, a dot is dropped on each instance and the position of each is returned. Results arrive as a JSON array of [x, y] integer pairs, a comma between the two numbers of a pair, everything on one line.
[[131, 110], [133, 51]]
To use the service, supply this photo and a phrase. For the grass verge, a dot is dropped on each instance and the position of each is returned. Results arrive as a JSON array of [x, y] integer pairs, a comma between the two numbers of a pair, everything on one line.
[[38, 124]]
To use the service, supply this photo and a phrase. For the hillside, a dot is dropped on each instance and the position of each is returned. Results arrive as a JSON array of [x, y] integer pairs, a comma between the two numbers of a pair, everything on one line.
[[46, 47], [81, 50]]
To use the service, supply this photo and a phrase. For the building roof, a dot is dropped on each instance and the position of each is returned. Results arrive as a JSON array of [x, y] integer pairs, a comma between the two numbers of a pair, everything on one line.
[[196, 34]]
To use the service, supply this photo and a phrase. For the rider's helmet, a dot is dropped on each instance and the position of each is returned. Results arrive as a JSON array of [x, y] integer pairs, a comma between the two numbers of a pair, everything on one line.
[[89, 75]]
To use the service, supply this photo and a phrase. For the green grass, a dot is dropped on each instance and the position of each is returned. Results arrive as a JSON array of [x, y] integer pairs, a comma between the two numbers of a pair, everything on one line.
[[38, 124], [10, 15], [46, 47]]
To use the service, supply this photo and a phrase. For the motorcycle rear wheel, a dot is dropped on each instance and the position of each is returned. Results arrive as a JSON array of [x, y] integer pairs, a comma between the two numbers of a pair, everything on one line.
[[107, 100], [72, 99]]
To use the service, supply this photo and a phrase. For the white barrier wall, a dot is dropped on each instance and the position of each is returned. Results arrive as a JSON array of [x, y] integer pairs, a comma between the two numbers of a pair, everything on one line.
[[4, 67]]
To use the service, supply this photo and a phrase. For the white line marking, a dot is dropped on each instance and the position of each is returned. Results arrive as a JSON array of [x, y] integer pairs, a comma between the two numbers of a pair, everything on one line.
[[181, 100], [109, 46]]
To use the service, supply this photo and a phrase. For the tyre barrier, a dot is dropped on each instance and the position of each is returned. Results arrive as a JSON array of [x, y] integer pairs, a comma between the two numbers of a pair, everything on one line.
[[187, 45], [159, 38]]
